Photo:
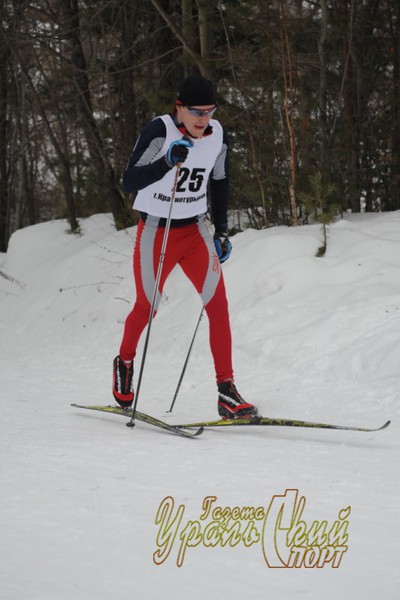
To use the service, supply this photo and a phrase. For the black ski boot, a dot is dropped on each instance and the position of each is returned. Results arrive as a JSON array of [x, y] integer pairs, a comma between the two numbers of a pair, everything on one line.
[[231, 404], [122, 382]]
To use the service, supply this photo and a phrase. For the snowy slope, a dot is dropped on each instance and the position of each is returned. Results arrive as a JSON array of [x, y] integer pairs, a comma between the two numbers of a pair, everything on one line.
[[314, 338]]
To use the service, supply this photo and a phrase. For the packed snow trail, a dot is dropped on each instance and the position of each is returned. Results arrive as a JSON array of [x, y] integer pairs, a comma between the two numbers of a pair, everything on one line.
[[314, 339]]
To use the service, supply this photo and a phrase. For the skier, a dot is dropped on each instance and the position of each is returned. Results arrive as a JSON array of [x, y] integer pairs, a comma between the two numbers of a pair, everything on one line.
[[190, 138]]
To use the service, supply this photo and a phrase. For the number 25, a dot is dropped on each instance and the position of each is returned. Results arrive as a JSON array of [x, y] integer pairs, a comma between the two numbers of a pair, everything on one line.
[[195, 177]]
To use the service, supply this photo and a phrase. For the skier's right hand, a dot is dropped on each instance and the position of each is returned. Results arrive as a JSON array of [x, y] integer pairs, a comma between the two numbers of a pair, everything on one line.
[[178, 151]]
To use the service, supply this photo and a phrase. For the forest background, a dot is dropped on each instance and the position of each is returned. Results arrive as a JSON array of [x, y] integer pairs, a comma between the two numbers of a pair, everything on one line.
[[309, 92]]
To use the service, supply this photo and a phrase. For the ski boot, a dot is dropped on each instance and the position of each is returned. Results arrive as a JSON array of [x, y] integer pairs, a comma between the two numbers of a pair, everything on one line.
[[231, 404], [122, 382]]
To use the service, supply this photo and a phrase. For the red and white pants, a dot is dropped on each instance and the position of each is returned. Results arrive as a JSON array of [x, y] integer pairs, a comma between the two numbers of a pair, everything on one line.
[[193, 249]]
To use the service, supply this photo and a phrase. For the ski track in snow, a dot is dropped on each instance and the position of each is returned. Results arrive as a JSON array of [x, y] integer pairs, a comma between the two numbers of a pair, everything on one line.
[[314, 338]]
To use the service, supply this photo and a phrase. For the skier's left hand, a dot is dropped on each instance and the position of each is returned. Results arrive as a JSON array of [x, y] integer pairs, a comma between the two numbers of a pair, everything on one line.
[[223, 246]]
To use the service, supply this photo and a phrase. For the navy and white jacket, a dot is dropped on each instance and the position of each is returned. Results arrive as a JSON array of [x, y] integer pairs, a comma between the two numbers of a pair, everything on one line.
[[148, 173]]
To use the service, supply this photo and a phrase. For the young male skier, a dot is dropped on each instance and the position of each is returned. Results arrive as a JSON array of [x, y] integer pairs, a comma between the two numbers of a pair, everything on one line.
[[189, 137]]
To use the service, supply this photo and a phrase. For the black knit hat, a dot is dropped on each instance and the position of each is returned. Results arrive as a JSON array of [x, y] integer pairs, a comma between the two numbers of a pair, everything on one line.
[[196, 91]]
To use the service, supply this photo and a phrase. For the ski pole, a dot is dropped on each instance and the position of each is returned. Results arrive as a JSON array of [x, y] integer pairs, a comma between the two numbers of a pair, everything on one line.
[[186, 361], [131, 422]]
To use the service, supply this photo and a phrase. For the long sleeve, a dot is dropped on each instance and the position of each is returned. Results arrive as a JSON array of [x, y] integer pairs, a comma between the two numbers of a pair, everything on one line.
[[219, 187], [140, 171]]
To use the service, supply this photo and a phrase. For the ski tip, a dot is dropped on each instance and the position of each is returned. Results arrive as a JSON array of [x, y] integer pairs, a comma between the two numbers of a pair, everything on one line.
[[386, 425], [193, 432]]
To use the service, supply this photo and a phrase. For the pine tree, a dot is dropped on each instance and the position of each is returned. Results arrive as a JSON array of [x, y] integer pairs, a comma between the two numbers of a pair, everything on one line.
[[318, 205]]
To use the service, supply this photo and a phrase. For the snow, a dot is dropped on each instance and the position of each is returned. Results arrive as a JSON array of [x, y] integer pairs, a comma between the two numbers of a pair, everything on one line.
[[314, 338]]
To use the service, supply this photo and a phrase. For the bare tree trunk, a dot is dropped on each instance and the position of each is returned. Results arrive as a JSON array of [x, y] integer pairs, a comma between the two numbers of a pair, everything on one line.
[[63, 158], [4, 135], [288, 107], [395, 188], [188, 29], [126, 90], [179, 33], [248, 121], [25, 90], [25, 198], [106, 178], [323, 83], [349, 107], [204, 8]]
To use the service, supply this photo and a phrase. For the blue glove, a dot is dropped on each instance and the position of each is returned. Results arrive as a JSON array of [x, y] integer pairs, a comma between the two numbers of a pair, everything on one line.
[[178, 151], [222, 245]]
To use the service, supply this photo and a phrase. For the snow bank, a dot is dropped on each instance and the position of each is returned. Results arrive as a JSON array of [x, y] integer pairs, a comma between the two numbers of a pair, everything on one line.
[[314, 338]]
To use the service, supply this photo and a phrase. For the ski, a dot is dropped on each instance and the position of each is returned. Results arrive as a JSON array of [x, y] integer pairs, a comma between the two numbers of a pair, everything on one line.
[[115, 410], [183, 429], [275, 422]]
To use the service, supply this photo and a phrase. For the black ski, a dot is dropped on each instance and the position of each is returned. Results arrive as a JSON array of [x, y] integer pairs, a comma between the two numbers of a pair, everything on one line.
[[115, 410], [275, 422]]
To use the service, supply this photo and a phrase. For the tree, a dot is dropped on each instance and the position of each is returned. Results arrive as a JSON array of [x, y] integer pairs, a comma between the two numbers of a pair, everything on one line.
[[5, 60], [289, 110], [302, 87], [77, 70], [318, 205]]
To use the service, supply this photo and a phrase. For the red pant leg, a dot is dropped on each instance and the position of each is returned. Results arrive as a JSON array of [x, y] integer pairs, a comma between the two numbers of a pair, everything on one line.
[[146, 258], [201, 265], [193, 248]]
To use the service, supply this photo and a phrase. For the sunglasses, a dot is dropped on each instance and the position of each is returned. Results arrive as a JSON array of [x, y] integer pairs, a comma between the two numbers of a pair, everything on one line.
[[201, 113]]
